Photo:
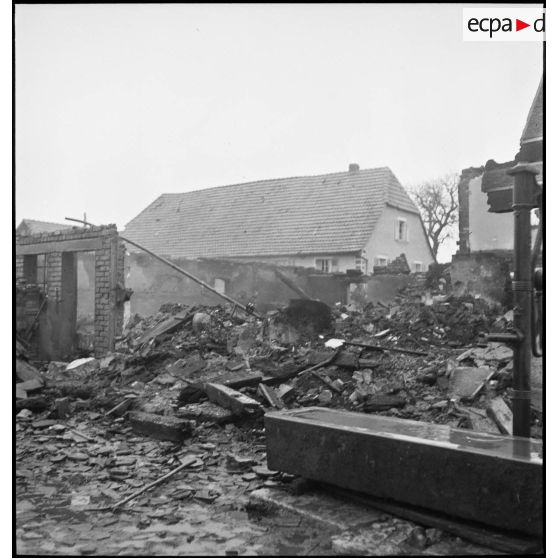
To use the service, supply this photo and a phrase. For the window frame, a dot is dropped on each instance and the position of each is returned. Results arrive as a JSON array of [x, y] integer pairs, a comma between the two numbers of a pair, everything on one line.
[[320, 266], [379, 257], [398, 237]]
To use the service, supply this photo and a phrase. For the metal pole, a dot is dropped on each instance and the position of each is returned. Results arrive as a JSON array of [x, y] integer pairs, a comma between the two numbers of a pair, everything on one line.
[[523, 202]]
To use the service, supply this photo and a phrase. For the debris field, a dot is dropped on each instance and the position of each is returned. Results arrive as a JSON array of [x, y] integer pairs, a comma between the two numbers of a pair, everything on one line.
[[159, 447]]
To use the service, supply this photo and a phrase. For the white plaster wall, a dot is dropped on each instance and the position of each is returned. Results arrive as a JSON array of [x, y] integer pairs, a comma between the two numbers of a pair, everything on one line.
[[383, 242], [488, 231], [345, 261]]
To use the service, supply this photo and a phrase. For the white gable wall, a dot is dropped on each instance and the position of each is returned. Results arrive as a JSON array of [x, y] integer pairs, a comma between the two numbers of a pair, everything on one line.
[[383, 241]]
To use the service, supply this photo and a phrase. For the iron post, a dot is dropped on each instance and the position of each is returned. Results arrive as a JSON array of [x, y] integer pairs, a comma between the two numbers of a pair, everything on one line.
[[524, 191]]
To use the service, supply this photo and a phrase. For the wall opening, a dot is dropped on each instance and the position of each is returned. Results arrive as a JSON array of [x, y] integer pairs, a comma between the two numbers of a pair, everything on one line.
[[85, 323]]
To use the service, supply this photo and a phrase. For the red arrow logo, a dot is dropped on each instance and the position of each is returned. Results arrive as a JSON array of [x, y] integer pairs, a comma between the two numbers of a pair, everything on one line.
[[519, 25]]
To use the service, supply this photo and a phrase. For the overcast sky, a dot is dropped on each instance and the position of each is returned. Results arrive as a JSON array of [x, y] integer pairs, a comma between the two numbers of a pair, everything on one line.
[[116, 104]]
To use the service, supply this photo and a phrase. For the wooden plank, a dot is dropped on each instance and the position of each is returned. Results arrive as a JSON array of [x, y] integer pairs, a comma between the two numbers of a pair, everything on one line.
[[236, 381], [292, 285], [228, 398], [160, 427], [501, 414], [78, 245], [271, 396], [343, 359], [169, 325]]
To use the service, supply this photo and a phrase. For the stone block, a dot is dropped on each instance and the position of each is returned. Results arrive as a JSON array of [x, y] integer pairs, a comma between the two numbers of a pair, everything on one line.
[[228, 398], [487, 478], [160, 427], [465, 380]]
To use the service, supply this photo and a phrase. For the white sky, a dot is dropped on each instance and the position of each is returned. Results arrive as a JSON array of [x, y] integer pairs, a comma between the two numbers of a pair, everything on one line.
[[116, 104]]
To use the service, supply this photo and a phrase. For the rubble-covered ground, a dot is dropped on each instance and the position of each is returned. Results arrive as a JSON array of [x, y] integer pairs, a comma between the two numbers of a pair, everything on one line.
[[77, 454]]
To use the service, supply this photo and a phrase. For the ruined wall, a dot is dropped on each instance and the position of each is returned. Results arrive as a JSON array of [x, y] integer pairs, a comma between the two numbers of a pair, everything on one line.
[[385, 288], [154, 283], [485, 274], [463, 197], [383, 242], [487, 231], [57, 323]]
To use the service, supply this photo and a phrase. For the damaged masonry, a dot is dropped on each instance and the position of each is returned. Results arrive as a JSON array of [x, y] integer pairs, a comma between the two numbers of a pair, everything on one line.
[[221, 428]]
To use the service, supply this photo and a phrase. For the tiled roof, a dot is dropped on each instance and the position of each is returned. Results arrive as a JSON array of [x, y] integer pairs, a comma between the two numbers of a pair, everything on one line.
[[534, 125], [30, 226], [328, 213]]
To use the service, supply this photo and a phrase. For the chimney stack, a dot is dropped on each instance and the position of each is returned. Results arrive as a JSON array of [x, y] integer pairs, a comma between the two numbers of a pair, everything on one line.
[[353, 167]]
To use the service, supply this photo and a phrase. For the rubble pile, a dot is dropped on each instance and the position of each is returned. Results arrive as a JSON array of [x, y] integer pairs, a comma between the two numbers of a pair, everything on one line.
[[163, 364], [458, 320], [202, 377]]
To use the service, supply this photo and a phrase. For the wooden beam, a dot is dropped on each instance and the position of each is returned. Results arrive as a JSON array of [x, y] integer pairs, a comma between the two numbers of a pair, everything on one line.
[[78, 245]]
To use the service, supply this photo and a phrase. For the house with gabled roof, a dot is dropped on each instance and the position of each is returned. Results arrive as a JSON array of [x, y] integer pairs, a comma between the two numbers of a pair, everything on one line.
[[351, 220], [32, 226]]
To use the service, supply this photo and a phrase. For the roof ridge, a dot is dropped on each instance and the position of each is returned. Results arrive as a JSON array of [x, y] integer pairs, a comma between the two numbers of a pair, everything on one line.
[[268, 180], [319, 213], [46, 222]]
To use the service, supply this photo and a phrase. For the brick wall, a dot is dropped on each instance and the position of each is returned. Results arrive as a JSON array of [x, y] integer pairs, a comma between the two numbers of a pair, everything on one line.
[[60, 247]]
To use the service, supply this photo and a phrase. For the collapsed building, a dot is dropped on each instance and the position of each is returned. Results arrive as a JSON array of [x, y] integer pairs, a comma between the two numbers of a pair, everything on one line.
[[47, 288], [343, 394]]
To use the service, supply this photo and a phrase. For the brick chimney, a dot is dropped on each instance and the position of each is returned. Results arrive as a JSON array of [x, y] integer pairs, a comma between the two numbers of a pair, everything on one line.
[[353, 167]]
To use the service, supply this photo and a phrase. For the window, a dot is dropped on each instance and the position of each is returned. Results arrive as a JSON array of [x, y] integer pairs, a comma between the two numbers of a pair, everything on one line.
[[418, 267], [401, 231], [381, 261], [361, 264], [219, 285], [325, 264], [41, 269]]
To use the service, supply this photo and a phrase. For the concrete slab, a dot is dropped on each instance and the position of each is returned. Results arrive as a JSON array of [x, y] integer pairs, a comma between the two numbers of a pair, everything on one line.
[[228, 398], [492, 479], [160, 427], [465, 380], [319, 507]]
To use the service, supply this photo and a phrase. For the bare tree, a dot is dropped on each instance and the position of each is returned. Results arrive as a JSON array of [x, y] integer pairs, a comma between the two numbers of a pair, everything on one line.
[[438, 204]]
